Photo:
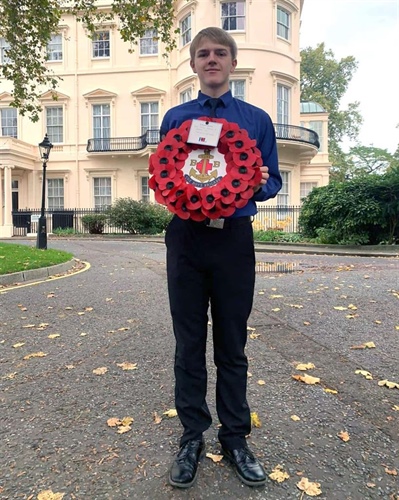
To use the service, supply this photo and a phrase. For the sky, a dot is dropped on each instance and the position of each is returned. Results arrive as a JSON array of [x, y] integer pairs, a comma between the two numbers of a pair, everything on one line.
[[369, 31]]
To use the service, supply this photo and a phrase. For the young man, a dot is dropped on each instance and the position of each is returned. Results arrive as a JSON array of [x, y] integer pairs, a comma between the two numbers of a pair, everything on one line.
[[213, 265]]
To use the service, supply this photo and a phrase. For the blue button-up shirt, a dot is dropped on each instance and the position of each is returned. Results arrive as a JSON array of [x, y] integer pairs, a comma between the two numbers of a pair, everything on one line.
[[254, 120]]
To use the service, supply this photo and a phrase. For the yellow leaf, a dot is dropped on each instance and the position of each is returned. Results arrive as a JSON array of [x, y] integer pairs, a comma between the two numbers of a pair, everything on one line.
[[214, 458], [276, 296], [261, 382], [255, 420], [113, 422], [296, 306], [369, 345], [295, 418], [344, 436], [276, 309], [35, 355], [49, 495], [330, 391], [20, 344], [28, 326], [54, 335], [351, 316], [387, 383], [304, 366], [81, 313], [306, 323], [250, 329], [69, 367], [100, 371], [340, 308], [68, 308], [395, 407], [157, 418], [392, 472], [397, 327], [278, 474], [88, 308], [365, 373], [123, 329], [311, 489], [353, 307], [254, 335], [306, 379], [123, 428], [127, 366], [126, 421], [249, 374], [378, 322], [170, 413], [83, 334], [261, 293]]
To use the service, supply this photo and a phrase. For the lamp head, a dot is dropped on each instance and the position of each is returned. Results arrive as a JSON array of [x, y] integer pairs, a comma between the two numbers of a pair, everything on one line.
[[45, 148]]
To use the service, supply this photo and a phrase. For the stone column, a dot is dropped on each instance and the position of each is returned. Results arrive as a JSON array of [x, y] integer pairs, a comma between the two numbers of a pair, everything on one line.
[[6, 230], [1, 196]]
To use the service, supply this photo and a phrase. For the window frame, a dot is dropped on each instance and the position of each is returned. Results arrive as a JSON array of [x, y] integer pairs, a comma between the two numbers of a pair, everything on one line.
[[185, 32], [149, 41], [95, 196], [6, 126], [59, 196], [229, 17], [51, 137], [285, 116], [281, 26], [151, 127], [96, 44], [233, 83], [4, 45], [302, 183], [58, 44], [284, 191], [145, 191], [186, 95]]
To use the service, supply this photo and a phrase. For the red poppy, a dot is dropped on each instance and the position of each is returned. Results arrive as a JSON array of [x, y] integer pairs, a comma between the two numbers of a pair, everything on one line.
[[166, 172], [245, 158], [239, 201], [240, 172], [214, 212], [197, 215], [227, 210], [181, 208], [222, 192], [168, 182], [236, 185], [208, 198], [174, 194], [193, 196]]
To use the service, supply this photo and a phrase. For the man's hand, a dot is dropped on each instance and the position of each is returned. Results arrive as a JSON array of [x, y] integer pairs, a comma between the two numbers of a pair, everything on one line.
[[265, 176]]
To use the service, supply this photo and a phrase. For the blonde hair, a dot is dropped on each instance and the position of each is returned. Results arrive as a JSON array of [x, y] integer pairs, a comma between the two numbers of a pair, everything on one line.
[[216, 35]]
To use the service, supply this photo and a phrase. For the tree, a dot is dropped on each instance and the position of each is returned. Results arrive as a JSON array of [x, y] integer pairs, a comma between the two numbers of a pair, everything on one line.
[[27, 26], [325, 81]]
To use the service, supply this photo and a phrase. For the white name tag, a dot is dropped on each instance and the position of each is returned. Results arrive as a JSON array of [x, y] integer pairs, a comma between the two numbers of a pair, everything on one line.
[[204, 133]]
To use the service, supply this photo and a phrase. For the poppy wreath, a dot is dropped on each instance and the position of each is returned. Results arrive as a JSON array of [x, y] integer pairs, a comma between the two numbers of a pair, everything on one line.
[[233, 190]]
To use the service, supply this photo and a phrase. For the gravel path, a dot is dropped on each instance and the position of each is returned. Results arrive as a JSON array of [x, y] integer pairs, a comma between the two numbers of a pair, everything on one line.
[[54, 409]]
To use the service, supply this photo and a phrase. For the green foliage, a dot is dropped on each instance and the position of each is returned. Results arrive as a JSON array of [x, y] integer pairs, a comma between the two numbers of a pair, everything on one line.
[[325, 81], [67, 231], [277, 236], [94, 223], [364, 210], [137, 217], [28, 25]]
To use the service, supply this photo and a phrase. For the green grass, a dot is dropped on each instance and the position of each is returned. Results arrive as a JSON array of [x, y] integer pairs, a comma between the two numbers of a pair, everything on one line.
[[14, 258]]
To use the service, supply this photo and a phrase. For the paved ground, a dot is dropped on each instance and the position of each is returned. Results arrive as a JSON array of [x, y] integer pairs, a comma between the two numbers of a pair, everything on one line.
[[54, 409]]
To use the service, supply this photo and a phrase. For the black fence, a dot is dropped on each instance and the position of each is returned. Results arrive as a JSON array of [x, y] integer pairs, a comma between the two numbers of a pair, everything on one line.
[[283, 218]]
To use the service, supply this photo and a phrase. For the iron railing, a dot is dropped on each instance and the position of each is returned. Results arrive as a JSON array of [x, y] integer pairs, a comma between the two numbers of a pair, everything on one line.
[[152, 137], [284, 218]]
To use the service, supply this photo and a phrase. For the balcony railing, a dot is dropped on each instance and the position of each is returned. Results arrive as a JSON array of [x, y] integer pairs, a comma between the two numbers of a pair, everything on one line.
[[151, 137]]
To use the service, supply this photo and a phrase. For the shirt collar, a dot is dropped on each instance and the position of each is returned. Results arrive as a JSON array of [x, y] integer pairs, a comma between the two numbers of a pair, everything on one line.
[[225, 98]]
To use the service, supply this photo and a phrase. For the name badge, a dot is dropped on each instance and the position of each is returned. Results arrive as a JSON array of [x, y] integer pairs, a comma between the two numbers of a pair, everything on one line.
[[204, 133]]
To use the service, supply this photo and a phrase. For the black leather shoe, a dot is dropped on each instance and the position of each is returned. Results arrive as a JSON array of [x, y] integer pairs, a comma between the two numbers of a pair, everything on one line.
[[184, 469], [247, 467]]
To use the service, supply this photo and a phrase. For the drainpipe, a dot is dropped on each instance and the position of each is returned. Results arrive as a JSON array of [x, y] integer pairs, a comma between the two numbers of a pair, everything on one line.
[[77, 166]]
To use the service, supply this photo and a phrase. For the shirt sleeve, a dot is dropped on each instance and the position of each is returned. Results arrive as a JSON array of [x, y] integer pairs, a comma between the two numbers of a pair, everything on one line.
[[268, 148]]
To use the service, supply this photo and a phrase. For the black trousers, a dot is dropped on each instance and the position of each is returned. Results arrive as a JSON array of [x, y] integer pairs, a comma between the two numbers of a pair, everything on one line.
[[211, 266]]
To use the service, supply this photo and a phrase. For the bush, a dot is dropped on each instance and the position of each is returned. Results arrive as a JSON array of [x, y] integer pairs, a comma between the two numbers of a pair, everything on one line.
[[277, 236], [94, 223], [137, 217], [363, 210], [67, 231]]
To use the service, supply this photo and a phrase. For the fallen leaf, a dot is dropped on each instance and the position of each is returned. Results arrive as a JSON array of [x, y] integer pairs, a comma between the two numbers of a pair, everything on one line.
[[250, 329], [378, 322], [20, 344], [68, 308], [351, 306], [397, 327], [54, 335], [306, 379], [369, 345], [366, 345], [126, 420], [296, 306], [214, 458], [351, 316], [304, 366], [295, 418], [170, 413], [35, 355], [123, 428], [330, 391], [261, 382], [157, 418], [387, 383], [88, 308], [28, 326], [254, 335], [276, 296], [370, 485], [344, 436], [261, 293], [365, 374], [391, 472], [255, 420], [278, 474], [276, 309], [49, 495], [83, 334], [249, 374], [10, 376], [100, 371], [311, 489], [306, 323], [113, 422], [123, 329], [127, 366], [395, 408], [340, 308]]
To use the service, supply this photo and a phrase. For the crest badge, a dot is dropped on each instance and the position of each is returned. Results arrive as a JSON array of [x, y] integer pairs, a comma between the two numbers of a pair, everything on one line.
[[204, 168]]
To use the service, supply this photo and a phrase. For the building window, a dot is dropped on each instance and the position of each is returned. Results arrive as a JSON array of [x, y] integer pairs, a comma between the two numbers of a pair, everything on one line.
[[283, 196], [4, 46], [317, 126], [55, 194], [101, 126], [150, 120], [185, 30], [233, 16], [283, 23], [237, 88], [9, 122], [283, 104], [101, 44], [306, 188], [54, 48], [55, 124], [149, 43], [185, 96], [145, 190], [102, 192]]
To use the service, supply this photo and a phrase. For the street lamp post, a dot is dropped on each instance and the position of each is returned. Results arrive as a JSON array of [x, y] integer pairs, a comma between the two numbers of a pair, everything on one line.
[[45, 148]]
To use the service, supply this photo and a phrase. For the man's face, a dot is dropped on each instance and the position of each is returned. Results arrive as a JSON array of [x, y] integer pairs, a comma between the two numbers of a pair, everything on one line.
[[213, 63]]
